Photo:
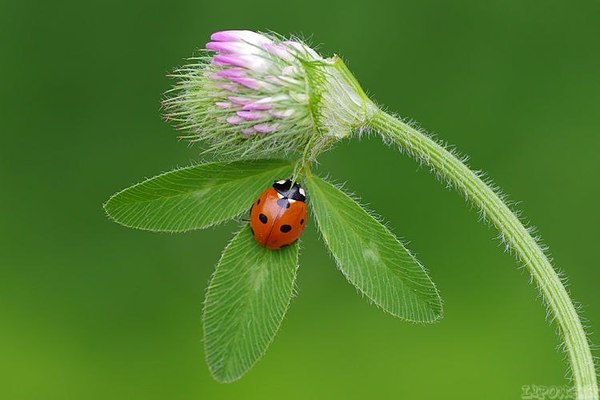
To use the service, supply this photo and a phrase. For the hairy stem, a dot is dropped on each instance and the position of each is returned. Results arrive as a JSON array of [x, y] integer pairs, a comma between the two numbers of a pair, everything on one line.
[[512, 231]]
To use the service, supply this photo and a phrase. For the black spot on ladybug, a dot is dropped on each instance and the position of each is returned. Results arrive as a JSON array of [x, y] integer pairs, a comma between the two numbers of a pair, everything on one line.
[[283, 203], [258, 202], [252, 230], [285, 228], [302, 222], [263, 218]]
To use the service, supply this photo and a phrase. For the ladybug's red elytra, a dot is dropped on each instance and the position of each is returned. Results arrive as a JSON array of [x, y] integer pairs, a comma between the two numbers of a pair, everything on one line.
[[278, 216]]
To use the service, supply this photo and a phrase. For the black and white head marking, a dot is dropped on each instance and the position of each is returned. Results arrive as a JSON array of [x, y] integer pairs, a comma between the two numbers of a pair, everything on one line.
[[286, 190]]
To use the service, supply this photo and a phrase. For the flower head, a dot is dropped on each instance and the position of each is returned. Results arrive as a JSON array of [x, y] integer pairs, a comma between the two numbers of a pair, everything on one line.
[[251, 94]]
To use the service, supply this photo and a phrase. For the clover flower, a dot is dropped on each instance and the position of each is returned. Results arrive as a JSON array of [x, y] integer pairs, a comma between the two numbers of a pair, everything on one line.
[[253, 94]]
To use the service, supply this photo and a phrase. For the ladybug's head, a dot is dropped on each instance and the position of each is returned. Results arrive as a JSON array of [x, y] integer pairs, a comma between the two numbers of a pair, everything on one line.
[[293, 192]]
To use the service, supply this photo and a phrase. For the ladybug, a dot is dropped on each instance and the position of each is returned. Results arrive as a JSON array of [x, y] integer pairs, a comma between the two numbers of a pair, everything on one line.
[[278, 216]]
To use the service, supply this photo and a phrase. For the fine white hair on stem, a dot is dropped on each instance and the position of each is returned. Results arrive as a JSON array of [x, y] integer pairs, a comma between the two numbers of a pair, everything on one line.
[[520, 241]]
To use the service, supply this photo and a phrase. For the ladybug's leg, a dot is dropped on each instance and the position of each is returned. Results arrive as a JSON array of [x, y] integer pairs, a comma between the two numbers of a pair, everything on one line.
[[245, 219]]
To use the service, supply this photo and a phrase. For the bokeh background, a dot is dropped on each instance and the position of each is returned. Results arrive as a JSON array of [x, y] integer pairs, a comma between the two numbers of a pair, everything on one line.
[[92, 310]]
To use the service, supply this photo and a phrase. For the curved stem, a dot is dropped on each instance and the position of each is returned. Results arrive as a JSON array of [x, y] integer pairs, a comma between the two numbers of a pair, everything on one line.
[[514, 234]]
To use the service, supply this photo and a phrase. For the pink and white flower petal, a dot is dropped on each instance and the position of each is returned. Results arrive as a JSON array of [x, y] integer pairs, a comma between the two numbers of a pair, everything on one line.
[[234, 72], [279, 51], [257, 105], [240, 36], [250, 83], [251, 115], [233, 48], [223, 104], [227, 87], [235, 120], [282, 114], [249, 131], [274, 80], [266, 103], [251, 62], [240, 100], [265, 128]]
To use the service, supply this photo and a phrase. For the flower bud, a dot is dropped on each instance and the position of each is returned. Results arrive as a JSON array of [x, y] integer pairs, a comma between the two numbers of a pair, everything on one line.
[[251, 94]]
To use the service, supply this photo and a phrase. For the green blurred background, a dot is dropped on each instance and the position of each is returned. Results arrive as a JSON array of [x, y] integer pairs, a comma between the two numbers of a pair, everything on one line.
[[92, 310]]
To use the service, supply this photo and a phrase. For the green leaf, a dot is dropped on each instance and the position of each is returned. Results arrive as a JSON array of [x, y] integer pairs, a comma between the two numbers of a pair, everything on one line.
[[246, 301], [371, 257], [195, 197]]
